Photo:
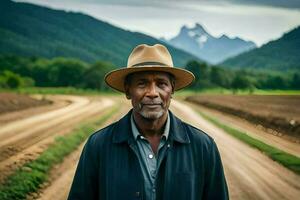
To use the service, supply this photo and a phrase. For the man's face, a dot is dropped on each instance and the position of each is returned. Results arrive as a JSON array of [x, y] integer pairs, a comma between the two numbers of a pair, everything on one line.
[[150, 93]]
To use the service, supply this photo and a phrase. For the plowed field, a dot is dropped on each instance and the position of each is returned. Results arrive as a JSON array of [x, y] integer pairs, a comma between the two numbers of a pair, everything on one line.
[[16, 102], [278, 112]]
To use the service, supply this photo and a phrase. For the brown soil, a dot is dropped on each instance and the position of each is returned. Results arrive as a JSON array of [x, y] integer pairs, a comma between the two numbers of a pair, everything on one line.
[[279, 113], [283, 142], [24, 139], [15, 102], [61, 176], [250, 174]]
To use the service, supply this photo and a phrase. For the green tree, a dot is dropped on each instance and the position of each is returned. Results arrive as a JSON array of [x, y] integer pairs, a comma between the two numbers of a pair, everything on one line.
[[241, 82], [220, 77], [202, 74], [40, 72], [66, 72], [276, 82], [295, 83], [94, 76], [10, 79]]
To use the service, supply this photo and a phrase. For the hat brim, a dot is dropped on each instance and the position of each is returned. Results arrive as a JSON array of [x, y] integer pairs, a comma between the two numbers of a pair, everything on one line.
[[116, 78]]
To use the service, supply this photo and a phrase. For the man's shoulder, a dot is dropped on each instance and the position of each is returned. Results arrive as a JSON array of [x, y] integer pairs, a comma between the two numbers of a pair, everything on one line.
[[102, 136]]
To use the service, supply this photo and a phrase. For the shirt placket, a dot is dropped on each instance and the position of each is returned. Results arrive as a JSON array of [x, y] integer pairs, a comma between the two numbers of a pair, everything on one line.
[[153, 162]]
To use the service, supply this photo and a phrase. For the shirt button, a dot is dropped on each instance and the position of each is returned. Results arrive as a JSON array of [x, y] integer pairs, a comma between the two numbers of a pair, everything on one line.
[[168, 145], [150, 156], [137, 194], [153, 190]]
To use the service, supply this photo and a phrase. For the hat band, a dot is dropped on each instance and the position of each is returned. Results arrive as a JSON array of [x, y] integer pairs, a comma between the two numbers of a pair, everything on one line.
[[148, 63]]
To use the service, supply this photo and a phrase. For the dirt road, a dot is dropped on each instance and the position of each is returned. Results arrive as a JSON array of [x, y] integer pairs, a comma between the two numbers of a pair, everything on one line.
[[250, 174], [25, 138], [62, 176]]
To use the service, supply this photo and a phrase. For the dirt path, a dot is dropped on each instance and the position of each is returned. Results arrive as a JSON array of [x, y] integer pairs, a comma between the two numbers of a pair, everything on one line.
[[26, 138], [285, 143], [250, 174], [57, 103], [62, 178]]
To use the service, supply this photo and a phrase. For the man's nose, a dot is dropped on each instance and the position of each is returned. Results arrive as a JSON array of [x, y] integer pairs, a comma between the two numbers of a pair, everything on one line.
[[152, 91]]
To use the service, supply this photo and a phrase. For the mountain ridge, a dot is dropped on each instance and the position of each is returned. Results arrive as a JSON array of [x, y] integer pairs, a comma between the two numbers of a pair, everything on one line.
[[199, 42], [47, 32], [278, 54]]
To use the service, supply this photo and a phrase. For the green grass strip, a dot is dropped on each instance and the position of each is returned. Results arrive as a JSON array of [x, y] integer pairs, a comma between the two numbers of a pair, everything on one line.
[[288, 160], [184, 92], [59, 90], [30, 176], [215, 91]]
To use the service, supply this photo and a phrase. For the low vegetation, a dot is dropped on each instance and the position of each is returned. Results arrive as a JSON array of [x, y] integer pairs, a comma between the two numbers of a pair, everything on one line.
[[29, 178], [60, 90], [224, 91], [20, 72], [208, 77], [289, 161]]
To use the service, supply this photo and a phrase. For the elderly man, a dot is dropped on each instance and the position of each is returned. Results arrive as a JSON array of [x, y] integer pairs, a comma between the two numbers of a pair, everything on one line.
[[149, 153]]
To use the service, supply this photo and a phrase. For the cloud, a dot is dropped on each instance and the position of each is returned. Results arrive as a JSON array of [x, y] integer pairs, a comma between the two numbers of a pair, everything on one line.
[[156, 3], [295, 4]]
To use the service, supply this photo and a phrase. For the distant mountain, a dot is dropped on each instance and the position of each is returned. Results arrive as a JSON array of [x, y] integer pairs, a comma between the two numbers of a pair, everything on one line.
[[31, 30], [280, 54], [200, 43]]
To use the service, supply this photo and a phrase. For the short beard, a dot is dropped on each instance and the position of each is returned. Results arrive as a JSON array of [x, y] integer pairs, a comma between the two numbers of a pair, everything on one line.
[[150, 115]]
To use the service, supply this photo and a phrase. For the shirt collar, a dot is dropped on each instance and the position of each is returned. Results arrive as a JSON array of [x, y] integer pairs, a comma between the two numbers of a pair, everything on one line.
[[136, 132], [122, 131]]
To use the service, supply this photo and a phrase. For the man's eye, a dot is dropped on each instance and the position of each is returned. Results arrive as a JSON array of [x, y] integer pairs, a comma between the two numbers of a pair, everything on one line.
[[162, 84], [141, 83]]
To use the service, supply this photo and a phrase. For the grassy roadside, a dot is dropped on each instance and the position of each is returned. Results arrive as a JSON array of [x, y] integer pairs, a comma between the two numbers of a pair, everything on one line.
[[186, 92], [28, 178], [222, 91], [289, 161], [59, 90]]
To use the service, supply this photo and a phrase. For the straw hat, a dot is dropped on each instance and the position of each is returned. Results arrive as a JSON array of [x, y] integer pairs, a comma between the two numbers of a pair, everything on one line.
[[149, 58]]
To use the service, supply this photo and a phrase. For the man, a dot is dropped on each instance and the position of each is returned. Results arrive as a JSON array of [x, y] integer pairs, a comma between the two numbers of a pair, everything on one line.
[[149, 153]]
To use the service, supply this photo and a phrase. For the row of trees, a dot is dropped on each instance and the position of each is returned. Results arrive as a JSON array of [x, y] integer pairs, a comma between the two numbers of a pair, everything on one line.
[[57, 72], [215, 76], [64, 72]]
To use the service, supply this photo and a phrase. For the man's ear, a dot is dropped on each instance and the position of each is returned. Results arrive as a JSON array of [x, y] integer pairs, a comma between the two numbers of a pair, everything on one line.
[[173, 89], [127, 91]]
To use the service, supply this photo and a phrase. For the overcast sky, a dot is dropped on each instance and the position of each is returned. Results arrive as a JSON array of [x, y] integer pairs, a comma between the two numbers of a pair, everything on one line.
[[257, 20]]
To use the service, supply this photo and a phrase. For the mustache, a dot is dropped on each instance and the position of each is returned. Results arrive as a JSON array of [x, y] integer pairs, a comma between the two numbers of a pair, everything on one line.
[[141, 104], [151, 102]]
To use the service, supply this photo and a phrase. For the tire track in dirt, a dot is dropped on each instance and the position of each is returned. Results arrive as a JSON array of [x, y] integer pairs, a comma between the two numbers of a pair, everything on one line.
[[250, 174], [62, 176], [32, 135]]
